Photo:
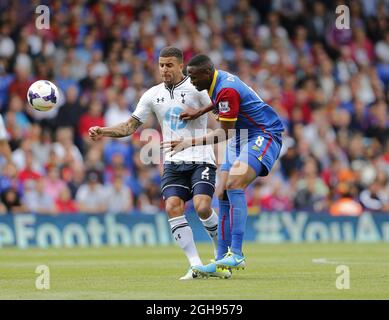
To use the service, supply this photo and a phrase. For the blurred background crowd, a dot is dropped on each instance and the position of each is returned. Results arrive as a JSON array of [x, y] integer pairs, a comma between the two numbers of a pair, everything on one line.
[[329, 85]]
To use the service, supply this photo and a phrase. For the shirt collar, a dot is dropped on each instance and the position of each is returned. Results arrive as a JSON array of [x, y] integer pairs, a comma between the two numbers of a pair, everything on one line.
[[212, 88], [177, 84]]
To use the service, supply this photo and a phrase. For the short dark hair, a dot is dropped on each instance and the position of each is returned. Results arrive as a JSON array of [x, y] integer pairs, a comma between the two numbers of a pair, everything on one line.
[[201, 61], [172, 52]]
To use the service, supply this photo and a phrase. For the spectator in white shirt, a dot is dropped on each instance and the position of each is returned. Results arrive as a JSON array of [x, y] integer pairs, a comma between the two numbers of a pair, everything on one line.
[[91, 196], [5, 150], [119, 197], [36, 199], [382, 48]]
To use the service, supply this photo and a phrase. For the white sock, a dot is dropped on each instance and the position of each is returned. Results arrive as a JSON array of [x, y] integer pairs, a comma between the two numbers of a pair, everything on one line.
[[183, 235], [210, 224]]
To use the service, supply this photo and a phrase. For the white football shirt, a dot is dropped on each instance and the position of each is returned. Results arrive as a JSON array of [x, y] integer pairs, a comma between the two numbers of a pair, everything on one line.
[[167, 104]]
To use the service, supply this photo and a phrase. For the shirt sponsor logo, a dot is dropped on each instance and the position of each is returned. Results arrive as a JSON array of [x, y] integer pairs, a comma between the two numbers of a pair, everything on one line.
[[172, 117], [223, 107]]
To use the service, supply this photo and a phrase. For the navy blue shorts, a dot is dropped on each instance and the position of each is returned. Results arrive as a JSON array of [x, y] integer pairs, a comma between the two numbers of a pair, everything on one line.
[[260, 153], [187, 180]]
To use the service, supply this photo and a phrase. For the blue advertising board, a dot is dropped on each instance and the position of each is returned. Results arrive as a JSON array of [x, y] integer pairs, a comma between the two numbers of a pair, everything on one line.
[[31, 230]]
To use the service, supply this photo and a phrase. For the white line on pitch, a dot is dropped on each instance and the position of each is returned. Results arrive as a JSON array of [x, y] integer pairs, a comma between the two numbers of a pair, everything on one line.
[[325, 261]]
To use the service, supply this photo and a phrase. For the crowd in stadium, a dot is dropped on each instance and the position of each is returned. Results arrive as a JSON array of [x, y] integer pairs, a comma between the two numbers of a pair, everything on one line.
[[329, 85]]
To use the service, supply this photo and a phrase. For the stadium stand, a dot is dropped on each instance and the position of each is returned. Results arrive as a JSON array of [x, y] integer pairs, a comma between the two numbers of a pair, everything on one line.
[[330, 86]]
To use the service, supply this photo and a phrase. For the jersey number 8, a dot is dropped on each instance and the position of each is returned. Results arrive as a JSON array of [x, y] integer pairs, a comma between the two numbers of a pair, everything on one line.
[[259, 141]]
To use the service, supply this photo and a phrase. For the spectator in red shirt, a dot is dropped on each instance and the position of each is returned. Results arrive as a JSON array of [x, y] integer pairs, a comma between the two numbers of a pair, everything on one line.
[[288, 97], [362, 50], [28, 172], [272, 197], [94, 117], [115, 78], [65, 203], [21, 83]]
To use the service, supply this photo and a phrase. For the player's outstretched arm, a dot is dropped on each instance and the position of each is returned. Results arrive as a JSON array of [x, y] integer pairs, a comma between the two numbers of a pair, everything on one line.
[[191, 114], [121, 130], [219, 135]]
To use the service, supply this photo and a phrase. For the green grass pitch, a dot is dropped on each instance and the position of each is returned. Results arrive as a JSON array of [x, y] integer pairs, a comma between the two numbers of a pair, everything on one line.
[[286, 271]]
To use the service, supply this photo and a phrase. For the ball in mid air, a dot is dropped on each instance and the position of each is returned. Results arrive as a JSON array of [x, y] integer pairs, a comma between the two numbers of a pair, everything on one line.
[[43, 95]]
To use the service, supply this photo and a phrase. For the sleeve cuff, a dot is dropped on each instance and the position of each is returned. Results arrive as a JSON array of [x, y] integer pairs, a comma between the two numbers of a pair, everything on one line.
[[136, 118], [227, 119]]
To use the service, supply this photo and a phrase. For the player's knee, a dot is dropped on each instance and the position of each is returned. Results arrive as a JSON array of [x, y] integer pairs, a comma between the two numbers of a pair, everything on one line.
[[174, 208], [174, 211], [235, 183], [203, 209]]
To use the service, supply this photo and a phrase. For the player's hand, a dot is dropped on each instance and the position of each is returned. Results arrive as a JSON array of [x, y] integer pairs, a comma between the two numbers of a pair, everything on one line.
[[175, 146], [190, 114], [95, 133]]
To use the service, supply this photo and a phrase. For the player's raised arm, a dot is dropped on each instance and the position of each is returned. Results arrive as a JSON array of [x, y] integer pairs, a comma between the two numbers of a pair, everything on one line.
[[121, 130]]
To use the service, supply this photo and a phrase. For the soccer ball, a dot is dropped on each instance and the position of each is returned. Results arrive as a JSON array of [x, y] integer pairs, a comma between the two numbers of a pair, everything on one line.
[[43, 95]]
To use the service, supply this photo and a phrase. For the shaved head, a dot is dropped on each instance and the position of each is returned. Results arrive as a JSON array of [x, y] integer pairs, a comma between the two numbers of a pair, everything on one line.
[[201, 61], [200, 69]]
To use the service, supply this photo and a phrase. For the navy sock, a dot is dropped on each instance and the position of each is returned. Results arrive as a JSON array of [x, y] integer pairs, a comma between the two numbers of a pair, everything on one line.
[[224, 230], [238, 218]]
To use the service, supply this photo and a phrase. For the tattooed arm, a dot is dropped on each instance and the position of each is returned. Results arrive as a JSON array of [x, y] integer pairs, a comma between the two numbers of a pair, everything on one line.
[[123, 129]]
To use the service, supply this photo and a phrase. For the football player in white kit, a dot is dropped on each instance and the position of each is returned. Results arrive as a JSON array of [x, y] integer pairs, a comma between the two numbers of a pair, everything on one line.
[[187, 174]]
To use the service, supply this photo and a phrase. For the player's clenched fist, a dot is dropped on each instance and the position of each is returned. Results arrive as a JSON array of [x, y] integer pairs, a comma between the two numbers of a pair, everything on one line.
[[95, 133]]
